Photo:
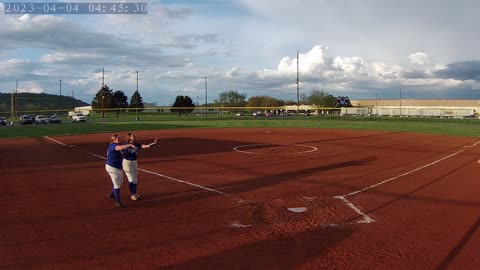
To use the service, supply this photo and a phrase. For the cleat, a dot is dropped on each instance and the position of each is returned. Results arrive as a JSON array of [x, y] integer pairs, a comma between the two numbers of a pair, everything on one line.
[[134, 197], [138, 196], [119, 204]]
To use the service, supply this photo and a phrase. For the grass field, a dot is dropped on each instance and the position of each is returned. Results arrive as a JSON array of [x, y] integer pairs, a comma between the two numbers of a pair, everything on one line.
[[96, 124]]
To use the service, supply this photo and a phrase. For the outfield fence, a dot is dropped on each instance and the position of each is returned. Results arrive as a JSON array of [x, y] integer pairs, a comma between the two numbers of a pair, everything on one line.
[[259, 113]]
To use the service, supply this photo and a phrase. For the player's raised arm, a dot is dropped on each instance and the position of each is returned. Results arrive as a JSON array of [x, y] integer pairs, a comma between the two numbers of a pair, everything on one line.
[[150, 144], [125, 146]]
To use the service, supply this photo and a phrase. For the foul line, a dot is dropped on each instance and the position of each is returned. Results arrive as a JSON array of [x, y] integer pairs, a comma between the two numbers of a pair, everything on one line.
[[46, 137], [167, 177], [365, 217]]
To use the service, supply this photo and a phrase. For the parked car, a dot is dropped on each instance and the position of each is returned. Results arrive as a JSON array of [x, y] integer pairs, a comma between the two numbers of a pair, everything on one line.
[[241, 113], [53, 119], [78, 117], [26, 120], [41, 119], [3, 121]]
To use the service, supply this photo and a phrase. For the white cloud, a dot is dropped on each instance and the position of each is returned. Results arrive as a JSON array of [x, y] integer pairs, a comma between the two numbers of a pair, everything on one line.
[[349, 64], [70, 58], [232, 72], [30, 87], [419, 58], [14, 66]]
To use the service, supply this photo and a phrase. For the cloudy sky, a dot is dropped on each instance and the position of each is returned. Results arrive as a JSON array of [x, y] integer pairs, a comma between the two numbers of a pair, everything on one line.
[[361, 49]]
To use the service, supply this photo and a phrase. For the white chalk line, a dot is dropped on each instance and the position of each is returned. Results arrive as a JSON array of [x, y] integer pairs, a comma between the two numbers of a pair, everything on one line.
[[193, 185], [365, 217], [46, 137], [167, 177], [237, 148]]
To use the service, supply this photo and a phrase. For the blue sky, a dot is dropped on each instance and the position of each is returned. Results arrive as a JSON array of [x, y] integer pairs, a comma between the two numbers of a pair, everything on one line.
[[360, 49]]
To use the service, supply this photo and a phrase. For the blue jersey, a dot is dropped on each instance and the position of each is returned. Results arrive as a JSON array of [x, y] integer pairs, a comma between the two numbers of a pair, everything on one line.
[[130, 153], [114, 158]]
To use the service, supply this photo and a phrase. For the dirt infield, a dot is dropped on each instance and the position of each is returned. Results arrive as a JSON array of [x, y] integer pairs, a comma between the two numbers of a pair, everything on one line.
[[220, 199]]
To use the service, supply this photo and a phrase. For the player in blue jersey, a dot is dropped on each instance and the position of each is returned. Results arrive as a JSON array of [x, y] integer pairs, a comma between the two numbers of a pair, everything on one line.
[[114, 166], [130, 165]]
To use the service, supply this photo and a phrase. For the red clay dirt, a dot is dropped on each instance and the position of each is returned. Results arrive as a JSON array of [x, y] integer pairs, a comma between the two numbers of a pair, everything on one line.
[[218, 199]]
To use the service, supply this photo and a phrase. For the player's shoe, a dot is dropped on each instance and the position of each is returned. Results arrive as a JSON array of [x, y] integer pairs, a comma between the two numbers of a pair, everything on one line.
[[138, 196], [134, 197], [119, 204], [110, 195]]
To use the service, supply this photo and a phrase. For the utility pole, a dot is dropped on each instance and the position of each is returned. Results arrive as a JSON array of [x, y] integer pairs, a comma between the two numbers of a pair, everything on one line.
[[60, 94], [15, 109], [298, 85], [103, 92], [137, 100], [12, 108], [400, 102], [206, 99], [13, 104]]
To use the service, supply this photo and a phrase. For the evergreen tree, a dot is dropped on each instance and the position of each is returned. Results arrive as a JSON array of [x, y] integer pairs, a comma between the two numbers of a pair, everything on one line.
[[102, 100], [183, 104], [119, 101], [136, 102]]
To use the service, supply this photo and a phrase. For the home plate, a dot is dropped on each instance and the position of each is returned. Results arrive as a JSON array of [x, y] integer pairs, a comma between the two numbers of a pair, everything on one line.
[[297, 209]]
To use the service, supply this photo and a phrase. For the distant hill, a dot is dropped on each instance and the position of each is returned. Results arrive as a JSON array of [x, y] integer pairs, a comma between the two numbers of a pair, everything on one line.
[[30, 102]]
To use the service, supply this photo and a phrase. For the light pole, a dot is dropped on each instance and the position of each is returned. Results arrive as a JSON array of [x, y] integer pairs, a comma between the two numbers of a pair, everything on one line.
[[60, 94], [400, 102], [298, 86], [206, 100], [137, 118], [103, 97]]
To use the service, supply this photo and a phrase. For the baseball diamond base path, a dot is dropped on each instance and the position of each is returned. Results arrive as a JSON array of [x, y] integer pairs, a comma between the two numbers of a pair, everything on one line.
[[234, 199]]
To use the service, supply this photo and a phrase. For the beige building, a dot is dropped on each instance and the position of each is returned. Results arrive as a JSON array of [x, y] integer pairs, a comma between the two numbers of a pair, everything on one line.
[[416, 102], [444, 108]]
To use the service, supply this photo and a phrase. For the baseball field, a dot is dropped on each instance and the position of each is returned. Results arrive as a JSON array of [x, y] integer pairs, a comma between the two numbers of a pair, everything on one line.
[[268, 195]]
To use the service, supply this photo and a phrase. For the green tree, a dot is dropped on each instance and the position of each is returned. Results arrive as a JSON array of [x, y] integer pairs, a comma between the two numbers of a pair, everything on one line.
[[231, 99], [327, 102], [136, 102], [315, 97], [303, 99], [263, 101], [182, 104], [119, 101], [102, 100]]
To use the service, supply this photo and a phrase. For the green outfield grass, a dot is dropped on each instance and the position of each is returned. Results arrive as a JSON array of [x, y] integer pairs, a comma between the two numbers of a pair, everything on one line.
[[96, 124]]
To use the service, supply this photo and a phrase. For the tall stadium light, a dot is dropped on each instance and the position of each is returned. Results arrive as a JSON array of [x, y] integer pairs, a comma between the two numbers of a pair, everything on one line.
[[12, 102], [298, 86], [206, 99], [400, 102], [137, 118], [60, 94]]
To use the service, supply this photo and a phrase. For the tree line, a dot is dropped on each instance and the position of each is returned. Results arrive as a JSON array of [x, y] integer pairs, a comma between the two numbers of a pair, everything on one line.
[[107, 99], [319, 98], [117, 101]]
